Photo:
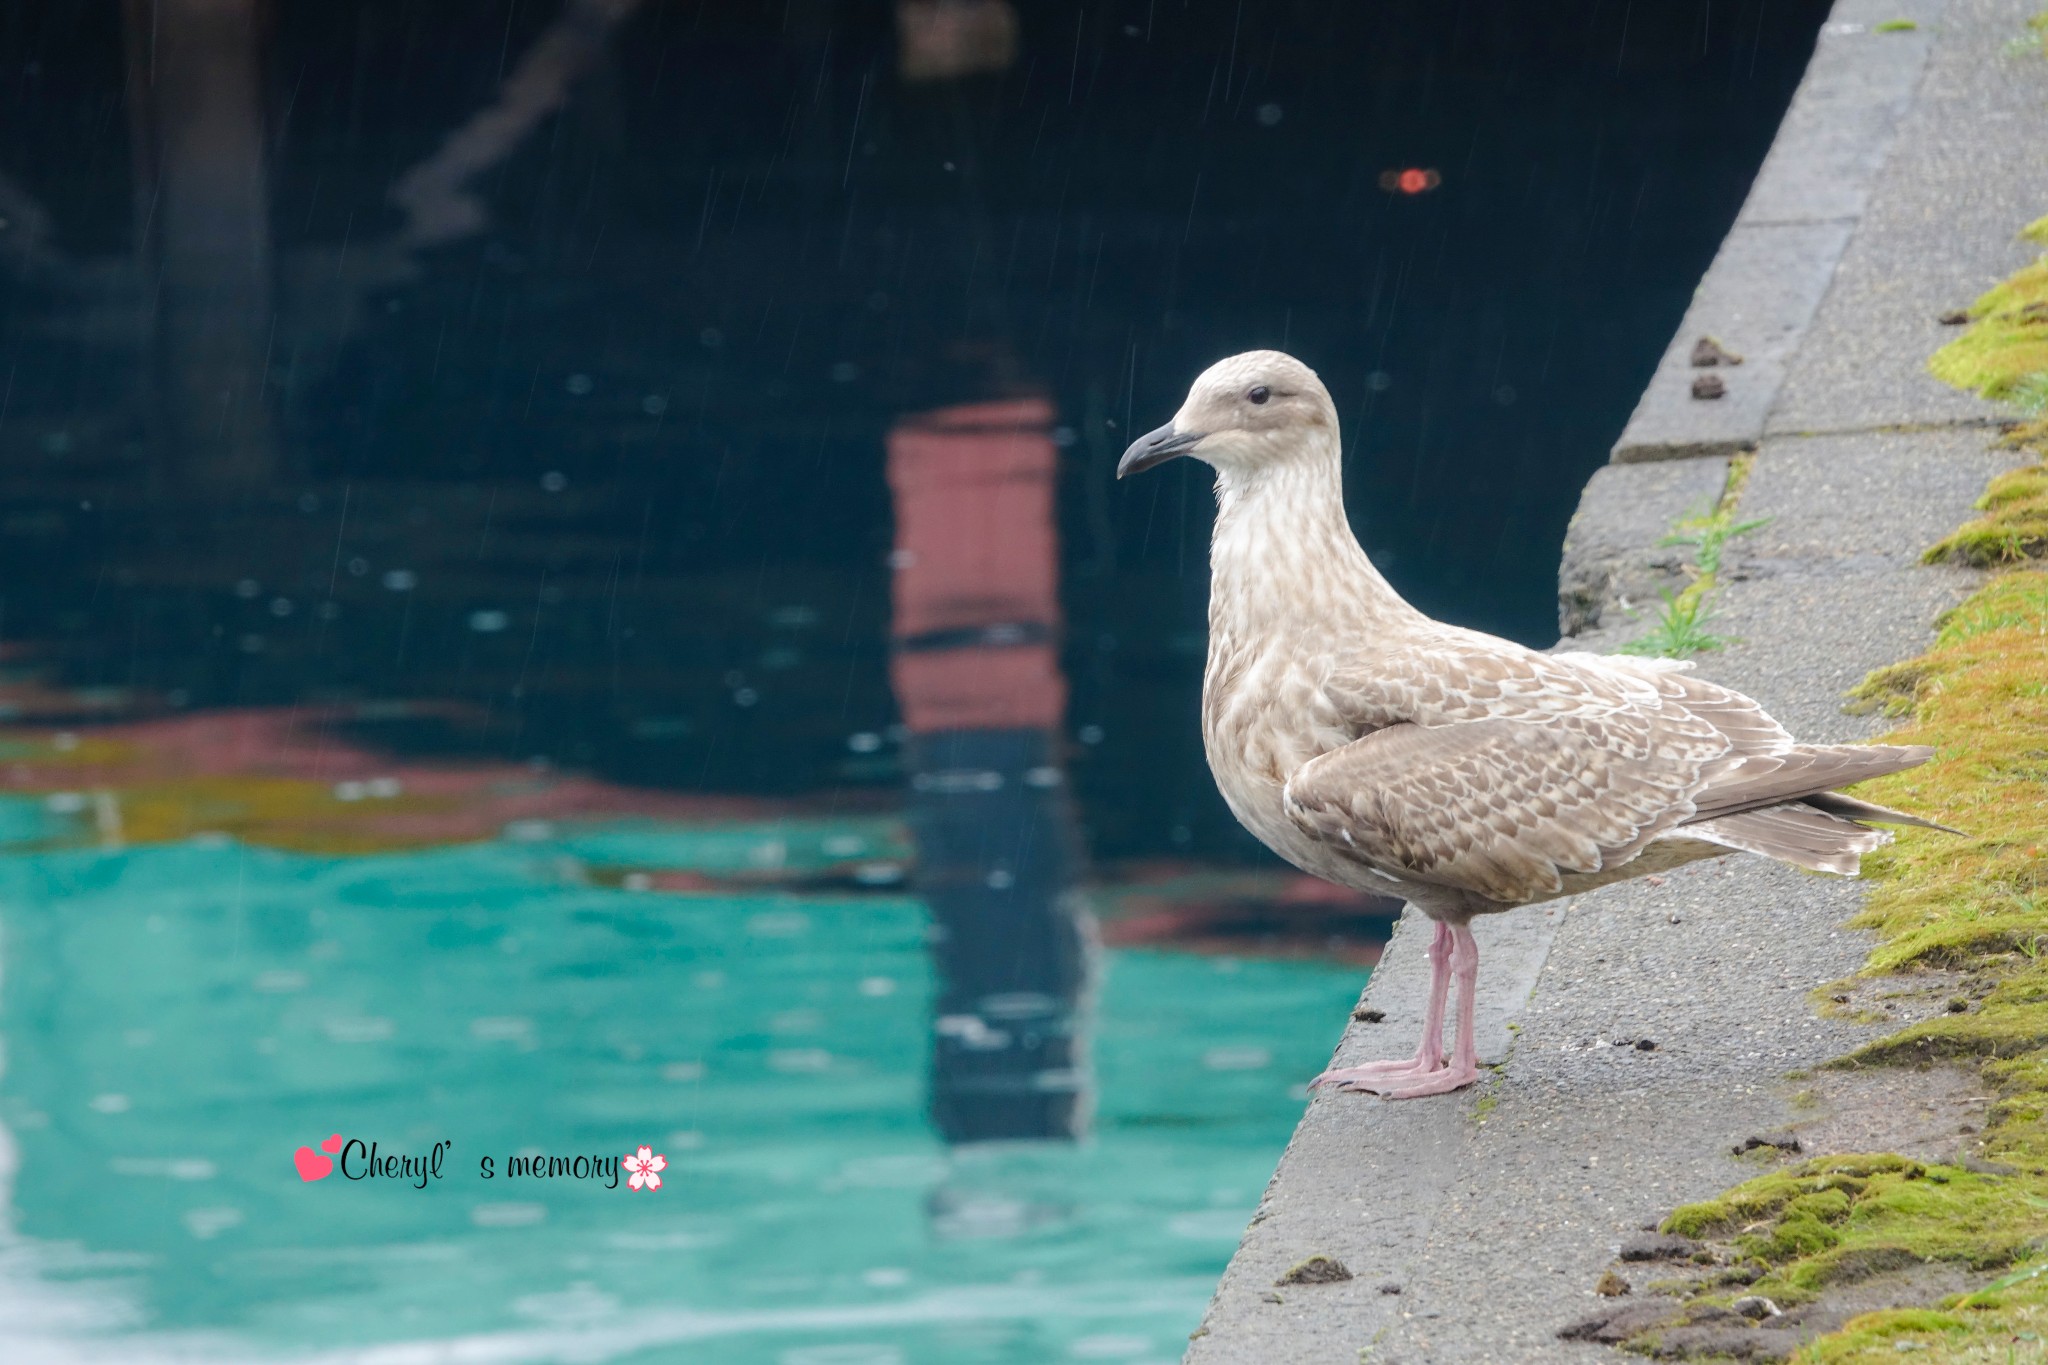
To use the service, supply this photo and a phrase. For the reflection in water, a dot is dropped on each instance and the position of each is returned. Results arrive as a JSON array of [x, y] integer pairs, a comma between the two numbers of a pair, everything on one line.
[[977, 677], [456, 686], [202, 198]]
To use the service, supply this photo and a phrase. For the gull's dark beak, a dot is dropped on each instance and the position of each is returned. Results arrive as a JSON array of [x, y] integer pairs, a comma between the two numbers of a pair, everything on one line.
[[1156, 448]]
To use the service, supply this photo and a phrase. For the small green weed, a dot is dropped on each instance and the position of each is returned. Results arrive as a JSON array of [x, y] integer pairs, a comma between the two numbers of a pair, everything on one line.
[[1679, 629]]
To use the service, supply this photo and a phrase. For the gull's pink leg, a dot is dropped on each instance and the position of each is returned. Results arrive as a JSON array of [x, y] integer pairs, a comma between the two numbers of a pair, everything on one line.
[[1429, 1056], [1464, 1067]]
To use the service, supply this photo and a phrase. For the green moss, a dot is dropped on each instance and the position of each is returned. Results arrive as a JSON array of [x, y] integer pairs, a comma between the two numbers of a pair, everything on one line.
[[2036, 41], [2004, 354], [1975, 904], [2014, 527], [1836, 1220]]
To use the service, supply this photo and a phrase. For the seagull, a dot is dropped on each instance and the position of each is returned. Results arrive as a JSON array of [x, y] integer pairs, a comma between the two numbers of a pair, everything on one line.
[[1385, 751]]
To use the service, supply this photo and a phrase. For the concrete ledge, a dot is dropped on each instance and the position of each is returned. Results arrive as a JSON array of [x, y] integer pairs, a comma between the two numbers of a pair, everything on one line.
[[1969, 170], [1614, 559], [1494, 1212], [1757, 299], [1379, 1229], [1767, 282]]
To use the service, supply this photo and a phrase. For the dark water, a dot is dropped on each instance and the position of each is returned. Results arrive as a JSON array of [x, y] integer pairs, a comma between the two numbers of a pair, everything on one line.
[[693, 298], [560, 586]]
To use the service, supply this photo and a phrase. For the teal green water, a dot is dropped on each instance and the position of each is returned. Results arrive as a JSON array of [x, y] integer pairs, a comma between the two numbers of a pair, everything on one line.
[[178, 1019]]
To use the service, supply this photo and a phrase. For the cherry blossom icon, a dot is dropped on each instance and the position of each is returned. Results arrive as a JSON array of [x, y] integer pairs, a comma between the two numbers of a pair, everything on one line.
[[644, 1164]]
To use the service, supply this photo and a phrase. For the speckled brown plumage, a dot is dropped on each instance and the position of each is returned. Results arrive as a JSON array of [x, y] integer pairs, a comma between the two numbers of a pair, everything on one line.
[[1373, 746]]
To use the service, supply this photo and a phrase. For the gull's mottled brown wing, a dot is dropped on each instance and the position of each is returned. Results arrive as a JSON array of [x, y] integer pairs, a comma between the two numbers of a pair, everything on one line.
[[1498, 770], [1500, 808], [1745, 724]]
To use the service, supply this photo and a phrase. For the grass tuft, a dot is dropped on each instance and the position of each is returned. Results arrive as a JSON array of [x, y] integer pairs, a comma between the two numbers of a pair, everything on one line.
[[1679, 630]]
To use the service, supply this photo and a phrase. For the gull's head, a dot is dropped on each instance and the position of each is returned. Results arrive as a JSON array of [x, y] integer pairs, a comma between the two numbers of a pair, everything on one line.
[[1244, 414]]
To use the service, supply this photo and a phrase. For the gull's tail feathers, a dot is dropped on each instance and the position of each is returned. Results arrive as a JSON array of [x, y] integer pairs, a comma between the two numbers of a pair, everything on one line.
[[1796, 833], [1782, 806], [1763, 780], [1869, 812]]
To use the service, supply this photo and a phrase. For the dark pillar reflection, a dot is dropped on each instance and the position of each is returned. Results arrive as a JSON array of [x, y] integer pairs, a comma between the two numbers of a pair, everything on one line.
[[976, 674], [202, 207]]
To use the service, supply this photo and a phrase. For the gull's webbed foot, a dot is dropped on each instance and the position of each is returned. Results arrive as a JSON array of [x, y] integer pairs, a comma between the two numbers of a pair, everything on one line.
[[1376, 1075], [1454, 952], [1439, 1082]]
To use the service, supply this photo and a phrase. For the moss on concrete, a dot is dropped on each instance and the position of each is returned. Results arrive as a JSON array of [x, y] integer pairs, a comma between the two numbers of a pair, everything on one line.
[[2014, 527], [1836, 1221], [2004, 354], [1974, 905]]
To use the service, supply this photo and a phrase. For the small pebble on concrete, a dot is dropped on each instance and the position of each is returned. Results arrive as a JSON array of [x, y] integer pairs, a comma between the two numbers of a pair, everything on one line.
[[1658, 1246], [1316, 1270], [1784, 1142]]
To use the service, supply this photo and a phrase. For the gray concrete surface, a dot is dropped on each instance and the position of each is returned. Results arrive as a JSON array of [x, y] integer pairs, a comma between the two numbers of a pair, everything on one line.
[[1766, 283], [1967, 171], [1832, 586], [1759, 296], [1493, 1212], [1615, 563]]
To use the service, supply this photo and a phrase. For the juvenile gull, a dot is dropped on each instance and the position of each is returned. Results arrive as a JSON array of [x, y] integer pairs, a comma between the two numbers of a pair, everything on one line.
[[1385, 751]]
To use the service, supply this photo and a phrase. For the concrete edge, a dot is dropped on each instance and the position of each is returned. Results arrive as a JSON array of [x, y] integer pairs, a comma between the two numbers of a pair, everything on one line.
[[1818, 174], [1336, 1127], [1767, 281]]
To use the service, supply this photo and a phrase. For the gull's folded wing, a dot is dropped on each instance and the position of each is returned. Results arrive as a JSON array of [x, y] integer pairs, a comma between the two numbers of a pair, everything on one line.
[[1500, 808]]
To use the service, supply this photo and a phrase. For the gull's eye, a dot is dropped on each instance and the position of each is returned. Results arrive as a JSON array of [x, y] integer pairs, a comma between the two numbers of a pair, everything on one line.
[[1260, 394]]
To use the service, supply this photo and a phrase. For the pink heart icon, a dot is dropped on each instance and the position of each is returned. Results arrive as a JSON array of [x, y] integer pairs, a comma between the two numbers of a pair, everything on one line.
[[312, 1165], [332, 1145]]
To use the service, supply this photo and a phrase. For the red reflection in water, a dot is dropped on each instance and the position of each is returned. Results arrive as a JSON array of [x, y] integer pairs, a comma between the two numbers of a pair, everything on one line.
[[976, 586], [1412, 180]]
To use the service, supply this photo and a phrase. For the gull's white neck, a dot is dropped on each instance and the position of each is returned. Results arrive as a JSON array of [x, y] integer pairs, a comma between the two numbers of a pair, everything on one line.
[[1283, 559]]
